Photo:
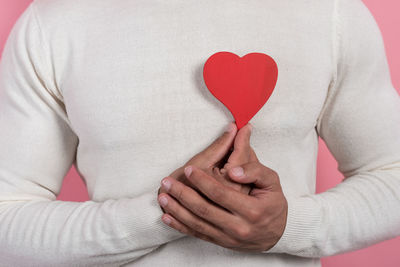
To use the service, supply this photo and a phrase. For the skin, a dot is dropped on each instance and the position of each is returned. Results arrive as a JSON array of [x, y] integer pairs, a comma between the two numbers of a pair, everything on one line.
[[246, 212], [220, 154]]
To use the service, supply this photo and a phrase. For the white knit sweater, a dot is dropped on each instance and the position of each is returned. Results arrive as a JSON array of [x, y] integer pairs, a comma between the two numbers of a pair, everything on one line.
[[116, 88]]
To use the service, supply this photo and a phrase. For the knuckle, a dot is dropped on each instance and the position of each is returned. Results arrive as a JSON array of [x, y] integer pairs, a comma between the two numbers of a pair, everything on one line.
[[198, 159], [202, 211], [220, 140], [254, 215], [274, 174], [216, 171], [179, 194], [270, 172], [258, 171], [243, 232], [198, 227]]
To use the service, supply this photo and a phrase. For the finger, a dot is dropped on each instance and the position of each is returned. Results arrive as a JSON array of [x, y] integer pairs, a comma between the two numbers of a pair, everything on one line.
[[216, 151], [256, 173], [240, 158], [224, 179], [220, 177], [234, 201], [177, 225], [199, 206], [253, 156], [194, 225], [220, 164], [242, 152], [242, 144], [242, 139], [162, 189]]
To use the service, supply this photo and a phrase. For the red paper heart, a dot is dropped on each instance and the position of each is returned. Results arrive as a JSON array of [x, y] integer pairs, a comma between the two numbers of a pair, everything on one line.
[[242, 84]]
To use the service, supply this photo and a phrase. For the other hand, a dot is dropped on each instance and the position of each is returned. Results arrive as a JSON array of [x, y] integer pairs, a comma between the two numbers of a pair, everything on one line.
[[232, 219]]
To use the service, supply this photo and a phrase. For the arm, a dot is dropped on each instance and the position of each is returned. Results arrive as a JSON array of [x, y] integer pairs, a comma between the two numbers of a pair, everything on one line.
[[360, 123], [37, 148]]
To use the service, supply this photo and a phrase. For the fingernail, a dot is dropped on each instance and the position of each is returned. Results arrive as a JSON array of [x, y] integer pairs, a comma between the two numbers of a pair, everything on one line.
[[230, 127], [166, 220], [163, 201], [188, 171], [166, 184], [238, 171]]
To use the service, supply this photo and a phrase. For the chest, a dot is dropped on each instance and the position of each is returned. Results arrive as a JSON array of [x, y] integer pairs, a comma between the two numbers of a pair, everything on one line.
[[141, 90], [135, 100]]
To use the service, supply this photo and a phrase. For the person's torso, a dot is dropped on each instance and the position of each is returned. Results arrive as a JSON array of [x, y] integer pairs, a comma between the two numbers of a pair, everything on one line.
[[131, 74]]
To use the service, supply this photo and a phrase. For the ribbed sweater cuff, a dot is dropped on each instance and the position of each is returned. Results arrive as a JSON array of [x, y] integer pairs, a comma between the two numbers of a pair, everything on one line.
[[303, 222], [139, 221]]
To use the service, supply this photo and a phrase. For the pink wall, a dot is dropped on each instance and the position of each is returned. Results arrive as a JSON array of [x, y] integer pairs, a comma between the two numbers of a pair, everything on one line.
[[383, 254]]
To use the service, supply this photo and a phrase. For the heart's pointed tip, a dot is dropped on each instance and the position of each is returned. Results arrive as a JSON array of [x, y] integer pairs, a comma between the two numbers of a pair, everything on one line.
[[239, 125]]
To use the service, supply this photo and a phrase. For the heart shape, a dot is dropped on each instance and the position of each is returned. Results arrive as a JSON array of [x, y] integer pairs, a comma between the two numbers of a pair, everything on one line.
[[242, 84]]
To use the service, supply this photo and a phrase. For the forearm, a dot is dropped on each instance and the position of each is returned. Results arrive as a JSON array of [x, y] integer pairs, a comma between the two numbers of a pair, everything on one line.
[[89, 233], [360, 124], [361, 211]]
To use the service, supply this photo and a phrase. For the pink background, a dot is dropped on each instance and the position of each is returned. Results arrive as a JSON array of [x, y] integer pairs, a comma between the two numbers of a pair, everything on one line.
[[383, 254]]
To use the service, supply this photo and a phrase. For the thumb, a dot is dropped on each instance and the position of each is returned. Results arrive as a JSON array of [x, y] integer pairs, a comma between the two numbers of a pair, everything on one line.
[[242, 152], [256, 173], [217, 150]]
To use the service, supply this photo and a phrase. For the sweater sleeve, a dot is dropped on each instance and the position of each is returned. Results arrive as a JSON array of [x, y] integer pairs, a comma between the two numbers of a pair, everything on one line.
[[37, 148], [360, 123]]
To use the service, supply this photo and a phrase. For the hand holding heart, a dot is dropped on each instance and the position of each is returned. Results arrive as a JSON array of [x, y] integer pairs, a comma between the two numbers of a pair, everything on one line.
[[243, 85], [212, 211], [213, 157]]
